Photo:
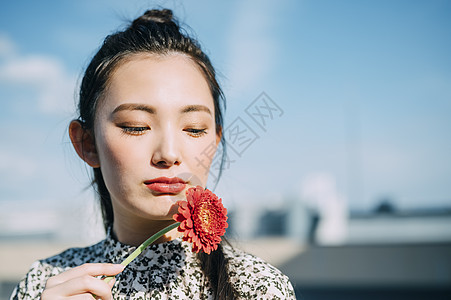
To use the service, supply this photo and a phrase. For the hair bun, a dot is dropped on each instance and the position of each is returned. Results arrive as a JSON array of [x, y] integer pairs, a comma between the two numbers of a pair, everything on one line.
[[156, 16]]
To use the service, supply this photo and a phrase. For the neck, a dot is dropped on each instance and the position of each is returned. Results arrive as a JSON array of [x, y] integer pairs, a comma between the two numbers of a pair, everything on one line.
[[136, 233]]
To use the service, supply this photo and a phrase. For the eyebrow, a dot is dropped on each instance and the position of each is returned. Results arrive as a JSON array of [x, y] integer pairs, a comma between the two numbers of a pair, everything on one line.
[[151, 110], [195, 108], [134, 106]]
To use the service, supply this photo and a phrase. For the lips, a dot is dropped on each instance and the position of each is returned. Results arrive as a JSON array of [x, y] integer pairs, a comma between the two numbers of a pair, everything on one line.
[[165, 185]]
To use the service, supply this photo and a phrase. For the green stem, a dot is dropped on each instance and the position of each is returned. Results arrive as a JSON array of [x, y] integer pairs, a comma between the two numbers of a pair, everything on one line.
[[144, 245]]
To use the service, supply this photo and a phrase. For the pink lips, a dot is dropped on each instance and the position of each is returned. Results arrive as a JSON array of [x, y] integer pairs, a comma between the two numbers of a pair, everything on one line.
[[165, 185]]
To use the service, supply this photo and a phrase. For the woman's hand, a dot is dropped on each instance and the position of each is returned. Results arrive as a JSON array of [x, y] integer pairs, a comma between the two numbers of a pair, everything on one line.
[[81, 283]]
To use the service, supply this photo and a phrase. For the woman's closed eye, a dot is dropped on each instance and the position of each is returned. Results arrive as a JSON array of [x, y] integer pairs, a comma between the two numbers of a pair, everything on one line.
[[196, 132], [135, 130]]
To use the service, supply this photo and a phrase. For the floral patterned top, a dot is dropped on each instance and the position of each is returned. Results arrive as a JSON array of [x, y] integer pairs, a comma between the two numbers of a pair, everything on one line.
[[163, 271]]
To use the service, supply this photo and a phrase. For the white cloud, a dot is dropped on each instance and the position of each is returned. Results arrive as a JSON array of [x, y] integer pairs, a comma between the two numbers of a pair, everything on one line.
[[252, 45], [14, 165], [45, 75], [7, 47]]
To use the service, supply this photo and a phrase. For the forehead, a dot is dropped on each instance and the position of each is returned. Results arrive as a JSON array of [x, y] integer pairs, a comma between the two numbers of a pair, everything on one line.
[[167, 80]]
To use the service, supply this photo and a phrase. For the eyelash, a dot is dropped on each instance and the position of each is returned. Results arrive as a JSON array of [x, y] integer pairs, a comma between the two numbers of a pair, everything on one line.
[[134, 130], [196, 132]]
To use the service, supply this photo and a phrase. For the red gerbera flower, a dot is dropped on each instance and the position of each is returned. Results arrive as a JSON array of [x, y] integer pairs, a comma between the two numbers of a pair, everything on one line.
[[203, 219]]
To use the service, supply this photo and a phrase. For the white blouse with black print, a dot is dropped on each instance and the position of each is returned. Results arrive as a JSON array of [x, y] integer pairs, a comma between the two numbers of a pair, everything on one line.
[[163, 271]]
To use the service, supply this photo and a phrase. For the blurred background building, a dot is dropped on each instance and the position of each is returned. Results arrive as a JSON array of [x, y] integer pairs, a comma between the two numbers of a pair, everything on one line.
[[384, 253]]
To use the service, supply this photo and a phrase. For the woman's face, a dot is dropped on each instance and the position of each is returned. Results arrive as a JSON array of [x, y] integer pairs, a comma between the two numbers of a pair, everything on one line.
[[152, 129]]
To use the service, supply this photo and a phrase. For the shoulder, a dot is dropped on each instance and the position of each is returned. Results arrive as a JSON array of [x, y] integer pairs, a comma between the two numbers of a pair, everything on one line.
[[73, 257], [33, 283], [254, 278]]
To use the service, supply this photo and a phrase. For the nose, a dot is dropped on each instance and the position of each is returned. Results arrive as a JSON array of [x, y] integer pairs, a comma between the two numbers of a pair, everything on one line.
[[166, 152]]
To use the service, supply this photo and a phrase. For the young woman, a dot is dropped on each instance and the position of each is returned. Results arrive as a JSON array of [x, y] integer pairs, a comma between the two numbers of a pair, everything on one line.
[[149, 106]]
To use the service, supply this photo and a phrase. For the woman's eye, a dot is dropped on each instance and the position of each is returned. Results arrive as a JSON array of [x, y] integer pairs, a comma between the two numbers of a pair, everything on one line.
[[134, 130], [196, 132]]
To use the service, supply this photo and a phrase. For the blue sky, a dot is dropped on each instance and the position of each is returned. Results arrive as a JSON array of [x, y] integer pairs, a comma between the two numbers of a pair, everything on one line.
[[365, 89]]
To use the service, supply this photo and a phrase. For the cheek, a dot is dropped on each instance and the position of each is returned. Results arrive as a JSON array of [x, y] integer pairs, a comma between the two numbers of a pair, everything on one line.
[[200, 158], [116, 157]]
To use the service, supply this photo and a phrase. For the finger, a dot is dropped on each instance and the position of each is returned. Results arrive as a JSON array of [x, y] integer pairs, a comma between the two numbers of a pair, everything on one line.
[[85, 285], [89, 284], [112, 282], [86, 269], [86, 296]]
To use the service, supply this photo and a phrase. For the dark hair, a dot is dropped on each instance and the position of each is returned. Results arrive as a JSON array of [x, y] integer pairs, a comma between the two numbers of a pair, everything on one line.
[[156, 32]]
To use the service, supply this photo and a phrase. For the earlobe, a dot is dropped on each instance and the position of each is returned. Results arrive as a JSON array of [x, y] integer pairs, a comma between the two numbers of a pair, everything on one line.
[[84, 144], [218, 136]]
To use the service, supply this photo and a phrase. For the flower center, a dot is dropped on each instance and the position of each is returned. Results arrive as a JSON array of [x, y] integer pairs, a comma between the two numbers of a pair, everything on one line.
[[205, 216]]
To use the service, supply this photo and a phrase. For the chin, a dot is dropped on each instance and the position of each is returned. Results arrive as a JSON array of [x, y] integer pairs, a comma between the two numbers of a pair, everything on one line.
[[163, 209]]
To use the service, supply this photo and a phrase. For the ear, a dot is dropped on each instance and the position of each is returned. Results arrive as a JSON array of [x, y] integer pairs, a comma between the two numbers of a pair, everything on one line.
[[218, 136], [84, 144]]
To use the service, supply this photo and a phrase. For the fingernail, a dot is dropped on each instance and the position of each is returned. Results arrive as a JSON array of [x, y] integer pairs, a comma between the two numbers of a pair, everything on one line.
[[119, 267]]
